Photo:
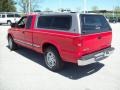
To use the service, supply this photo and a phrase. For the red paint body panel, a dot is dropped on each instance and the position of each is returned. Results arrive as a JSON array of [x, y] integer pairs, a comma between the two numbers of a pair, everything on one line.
[[94, 42], [71, 46], [62, 40]]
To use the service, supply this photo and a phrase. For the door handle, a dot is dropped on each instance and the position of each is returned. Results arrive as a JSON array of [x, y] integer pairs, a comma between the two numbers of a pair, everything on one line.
[[23, 32]]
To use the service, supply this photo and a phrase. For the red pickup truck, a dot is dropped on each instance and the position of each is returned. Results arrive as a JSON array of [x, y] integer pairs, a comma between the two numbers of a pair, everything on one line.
[[63, 37]]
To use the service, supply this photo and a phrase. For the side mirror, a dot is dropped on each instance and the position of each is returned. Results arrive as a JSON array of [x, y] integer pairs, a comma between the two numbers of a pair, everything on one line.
[[13, 25]]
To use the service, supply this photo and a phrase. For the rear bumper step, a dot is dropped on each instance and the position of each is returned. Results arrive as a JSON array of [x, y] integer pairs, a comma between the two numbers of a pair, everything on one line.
[[95, 57]]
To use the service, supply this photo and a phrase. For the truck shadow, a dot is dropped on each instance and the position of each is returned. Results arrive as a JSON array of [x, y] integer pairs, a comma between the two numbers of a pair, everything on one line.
[[74, 72], [71, 71]]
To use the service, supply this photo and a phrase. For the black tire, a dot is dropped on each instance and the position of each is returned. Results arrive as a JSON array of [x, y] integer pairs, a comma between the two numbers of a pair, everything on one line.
[[9, 22], [56, 60], [12, 45]]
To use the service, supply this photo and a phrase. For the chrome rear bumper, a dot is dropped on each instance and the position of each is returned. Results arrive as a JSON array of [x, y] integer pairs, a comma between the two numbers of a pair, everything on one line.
[[95, 57]]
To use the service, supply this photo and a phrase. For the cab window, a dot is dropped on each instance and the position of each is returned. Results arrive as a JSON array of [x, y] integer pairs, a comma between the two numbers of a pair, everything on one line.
[[10, 15], [22, 22], [60, 22], [3, 16], [28, 22], [25, 22]]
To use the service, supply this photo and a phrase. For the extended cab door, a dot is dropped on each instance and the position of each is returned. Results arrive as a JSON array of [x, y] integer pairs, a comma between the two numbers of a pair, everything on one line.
[[23, 32], [18, 31], [28, 32], [96, 33]]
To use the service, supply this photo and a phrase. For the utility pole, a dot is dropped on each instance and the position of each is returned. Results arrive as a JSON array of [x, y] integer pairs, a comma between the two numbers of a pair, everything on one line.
[[114, 8], [60, 1], [85, 6], [29, 9]]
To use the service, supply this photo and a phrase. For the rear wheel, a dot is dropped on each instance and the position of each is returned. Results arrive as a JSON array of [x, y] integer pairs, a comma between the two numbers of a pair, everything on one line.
[[12, 45], [52, 59], [9, 22]]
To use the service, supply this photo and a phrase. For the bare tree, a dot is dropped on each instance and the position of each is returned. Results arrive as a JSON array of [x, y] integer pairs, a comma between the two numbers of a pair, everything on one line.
[[78, 9], [94, 8], [117, 9], [64, 10], [24, 4], [47, 10]]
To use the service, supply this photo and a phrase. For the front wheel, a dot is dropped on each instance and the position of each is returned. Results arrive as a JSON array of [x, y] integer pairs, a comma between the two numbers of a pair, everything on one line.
[[12, 45], [52, 59]]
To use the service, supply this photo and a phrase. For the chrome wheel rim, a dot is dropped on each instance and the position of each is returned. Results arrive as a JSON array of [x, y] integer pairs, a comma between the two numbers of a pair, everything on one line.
[[50, 59]]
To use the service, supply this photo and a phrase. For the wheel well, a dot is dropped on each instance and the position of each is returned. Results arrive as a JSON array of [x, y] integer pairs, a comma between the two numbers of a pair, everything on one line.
[[9, 35], [46, 45], [8, 20]]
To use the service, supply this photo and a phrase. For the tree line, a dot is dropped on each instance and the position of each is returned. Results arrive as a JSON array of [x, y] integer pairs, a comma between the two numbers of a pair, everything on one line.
[[7, 6]]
